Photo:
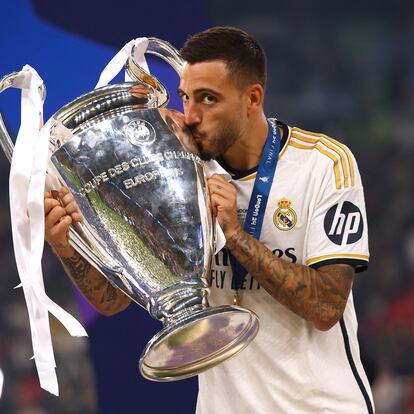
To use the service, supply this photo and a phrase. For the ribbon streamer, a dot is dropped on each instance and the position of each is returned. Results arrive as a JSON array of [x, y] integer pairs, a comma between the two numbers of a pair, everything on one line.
[[118, 61], [27, 183]]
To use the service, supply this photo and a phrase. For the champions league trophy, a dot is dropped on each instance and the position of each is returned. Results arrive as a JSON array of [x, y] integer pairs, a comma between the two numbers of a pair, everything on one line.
[[134, 173]]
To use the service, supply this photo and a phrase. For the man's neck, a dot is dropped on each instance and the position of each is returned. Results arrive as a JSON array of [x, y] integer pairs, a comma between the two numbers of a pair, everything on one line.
[[246, 152]]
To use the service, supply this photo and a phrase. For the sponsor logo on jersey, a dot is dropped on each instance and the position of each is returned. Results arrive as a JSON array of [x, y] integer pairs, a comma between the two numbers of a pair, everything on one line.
[[343, 223], [285, 217], [221, 275]]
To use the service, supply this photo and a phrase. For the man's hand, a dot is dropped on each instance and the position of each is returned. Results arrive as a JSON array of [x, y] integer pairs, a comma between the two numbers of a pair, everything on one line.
[[223, 197], [61, 211]]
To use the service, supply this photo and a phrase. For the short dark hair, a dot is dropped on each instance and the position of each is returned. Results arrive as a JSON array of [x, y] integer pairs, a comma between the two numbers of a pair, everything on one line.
[[245, 58]]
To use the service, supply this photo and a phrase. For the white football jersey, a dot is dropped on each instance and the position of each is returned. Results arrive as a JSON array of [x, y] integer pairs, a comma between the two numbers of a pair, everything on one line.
[[315, 216]]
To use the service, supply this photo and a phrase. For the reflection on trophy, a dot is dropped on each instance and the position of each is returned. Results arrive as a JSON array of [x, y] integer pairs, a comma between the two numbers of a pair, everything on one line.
[[133, 169]]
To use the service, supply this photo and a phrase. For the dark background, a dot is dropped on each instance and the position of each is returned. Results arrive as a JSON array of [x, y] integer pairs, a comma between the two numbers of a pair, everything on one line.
[[345, 69]]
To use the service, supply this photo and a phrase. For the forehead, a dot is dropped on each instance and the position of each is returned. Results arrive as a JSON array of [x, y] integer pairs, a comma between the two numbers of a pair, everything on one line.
[[205, 75]]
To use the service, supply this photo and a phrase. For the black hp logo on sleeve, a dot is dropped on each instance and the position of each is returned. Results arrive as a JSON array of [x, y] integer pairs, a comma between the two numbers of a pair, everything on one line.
[[343, 223]]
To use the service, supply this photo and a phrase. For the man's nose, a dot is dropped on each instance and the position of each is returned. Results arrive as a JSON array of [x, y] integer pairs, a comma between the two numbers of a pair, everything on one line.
[[192, 115]]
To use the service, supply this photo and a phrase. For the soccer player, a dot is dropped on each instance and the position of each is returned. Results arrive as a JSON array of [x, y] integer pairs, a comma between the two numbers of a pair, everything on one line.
[[294, 218]]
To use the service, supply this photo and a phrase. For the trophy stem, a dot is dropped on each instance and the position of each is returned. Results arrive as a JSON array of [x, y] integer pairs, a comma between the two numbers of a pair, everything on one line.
[[182, 315], [196, 341]]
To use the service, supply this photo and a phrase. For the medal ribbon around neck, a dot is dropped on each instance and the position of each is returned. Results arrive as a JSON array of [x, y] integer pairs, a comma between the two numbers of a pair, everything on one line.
[[258, 200]]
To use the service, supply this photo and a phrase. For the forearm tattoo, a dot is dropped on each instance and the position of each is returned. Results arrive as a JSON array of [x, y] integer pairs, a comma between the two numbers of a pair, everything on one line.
[[318, 296], [93, 285]]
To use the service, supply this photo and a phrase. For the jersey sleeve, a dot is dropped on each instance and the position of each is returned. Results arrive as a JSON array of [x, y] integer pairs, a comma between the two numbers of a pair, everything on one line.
[[337, 229]]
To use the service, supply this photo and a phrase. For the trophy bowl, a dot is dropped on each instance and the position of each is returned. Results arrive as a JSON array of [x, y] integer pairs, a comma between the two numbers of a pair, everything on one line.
[[133, 170]]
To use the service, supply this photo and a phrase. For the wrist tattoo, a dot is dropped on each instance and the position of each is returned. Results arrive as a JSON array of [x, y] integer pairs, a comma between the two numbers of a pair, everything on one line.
[[77, 266], [92, 284]]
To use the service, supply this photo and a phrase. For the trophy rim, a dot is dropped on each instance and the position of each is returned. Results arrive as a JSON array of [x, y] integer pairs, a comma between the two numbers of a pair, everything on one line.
[[237, 343]]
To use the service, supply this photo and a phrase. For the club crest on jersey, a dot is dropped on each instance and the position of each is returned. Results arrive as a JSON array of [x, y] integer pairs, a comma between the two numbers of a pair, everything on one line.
[[285, 217]]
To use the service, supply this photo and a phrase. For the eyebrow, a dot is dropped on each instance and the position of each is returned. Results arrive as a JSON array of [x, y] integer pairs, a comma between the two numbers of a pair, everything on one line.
[[201, 90]]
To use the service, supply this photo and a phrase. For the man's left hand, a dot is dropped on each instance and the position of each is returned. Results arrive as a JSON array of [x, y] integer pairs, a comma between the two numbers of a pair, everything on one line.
[[223, 197]]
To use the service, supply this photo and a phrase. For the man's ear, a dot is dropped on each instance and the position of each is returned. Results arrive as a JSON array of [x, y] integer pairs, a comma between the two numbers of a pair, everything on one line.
[[255, 95]]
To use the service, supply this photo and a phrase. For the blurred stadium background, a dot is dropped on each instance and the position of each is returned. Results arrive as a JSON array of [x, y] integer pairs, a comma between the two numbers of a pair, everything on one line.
[[345, 69]]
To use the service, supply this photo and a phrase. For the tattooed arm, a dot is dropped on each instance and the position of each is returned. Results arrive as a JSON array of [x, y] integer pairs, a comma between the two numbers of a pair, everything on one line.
[[59, 214], [319, 296]]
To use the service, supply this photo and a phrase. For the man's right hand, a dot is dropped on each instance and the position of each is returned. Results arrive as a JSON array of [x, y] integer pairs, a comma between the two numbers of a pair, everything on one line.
[[60, 213]]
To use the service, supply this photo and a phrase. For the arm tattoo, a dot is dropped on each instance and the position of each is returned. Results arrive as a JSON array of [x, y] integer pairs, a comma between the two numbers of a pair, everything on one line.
[[77, 267], [99, 292], [319, 296]]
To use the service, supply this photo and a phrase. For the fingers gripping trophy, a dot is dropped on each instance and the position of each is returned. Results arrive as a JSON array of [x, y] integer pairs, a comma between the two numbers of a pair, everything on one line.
[[133, 170]]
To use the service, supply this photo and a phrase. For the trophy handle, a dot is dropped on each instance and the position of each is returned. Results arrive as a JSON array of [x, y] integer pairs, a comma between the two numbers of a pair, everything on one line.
[[75, 239], [6, 142], [166, 52]]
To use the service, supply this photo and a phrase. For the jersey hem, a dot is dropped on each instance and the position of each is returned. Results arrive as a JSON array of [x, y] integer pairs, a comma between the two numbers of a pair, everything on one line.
[[358, 264]]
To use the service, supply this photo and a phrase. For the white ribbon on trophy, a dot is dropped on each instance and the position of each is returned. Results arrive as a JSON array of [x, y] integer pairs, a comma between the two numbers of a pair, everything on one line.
[[118, 61], [27, 185]]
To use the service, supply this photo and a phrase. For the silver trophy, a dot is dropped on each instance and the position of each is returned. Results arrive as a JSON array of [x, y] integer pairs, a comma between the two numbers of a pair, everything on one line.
[[133, 170]]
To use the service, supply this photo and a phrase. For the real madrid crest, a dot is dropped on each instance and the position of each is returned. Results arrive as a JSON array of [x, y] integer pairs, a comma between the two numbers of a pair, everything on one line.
[[285, 217]]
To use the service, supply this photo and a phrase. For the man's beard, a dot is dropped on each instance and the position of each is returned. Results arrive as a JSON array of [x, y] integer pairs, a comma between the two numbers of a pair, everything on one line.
[[220, 143]]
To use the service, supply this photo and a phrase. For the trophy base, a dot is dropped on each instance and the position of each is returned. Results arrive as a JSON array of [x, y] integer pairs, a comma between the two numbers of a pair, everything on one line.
[[198, 342]]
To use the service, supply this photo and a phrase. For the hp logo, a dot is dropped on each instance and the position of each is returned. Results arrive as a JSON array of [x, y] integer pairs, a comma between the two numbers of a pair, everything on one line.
[[343, 223]]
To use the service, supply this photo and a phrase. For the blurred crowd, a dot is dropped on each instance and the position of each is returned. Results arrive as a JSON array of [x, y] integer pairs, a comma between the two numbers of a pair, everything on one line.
[[385, 294]]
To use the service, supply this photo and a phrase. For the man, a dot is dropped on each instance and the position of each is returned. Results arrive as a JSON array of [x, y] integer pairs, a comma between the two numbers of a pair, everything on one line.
[[294, 219]]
